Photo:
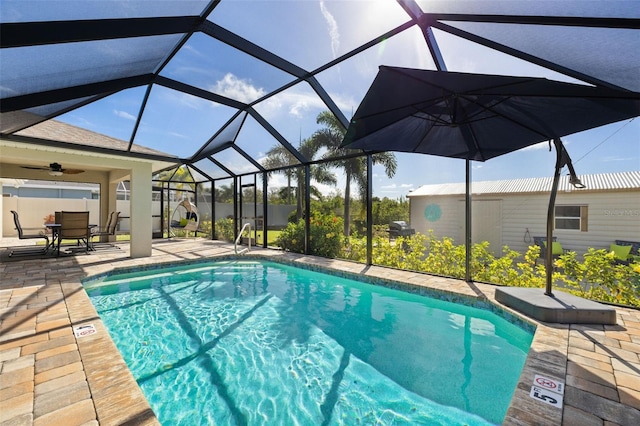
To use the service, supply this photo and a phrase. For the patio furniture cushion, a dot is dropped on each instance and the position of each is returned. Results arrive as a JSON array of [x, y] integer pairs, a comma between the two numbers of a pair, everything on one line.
[[556, 248], [620, 252], [635, 246]]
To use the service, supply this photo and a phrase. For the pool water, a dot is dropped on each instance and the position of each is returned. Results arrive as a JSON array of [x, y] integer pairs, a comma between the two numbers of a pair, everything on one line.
[[253, 343]]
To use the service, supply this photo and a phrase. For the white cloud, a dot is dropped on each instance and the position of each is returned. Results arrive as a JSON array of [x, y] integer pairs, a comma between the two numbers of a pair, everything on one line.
[[394, 187], [345, 103], [296, 103], [332, 27], [124, 114], [172, 97], [178, 135], [236, 88], [611, 158], [191, 49], [277, 180]]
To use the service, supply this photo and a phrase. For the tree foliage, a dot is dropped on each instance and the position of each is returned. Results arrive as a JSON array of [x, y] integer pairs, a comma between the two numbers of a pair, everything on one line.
[[355, 168], [387, 210], [279, 156], [224, 194]]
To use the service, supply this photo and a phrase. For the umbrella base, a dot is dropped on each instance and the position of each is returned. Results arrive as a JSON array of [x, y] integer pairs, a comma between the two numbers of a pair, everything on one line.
[[562, 308]]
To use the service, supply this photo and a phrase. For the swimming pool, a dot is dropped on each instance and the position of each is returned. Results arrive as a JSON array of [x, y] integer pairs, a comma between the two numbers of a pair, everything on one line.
[[253, 342]]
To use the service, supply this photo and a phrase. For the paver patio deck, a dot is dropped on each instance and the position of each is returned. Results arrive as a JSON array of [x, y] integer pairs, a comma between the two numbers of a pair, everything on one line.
[[50, 377]]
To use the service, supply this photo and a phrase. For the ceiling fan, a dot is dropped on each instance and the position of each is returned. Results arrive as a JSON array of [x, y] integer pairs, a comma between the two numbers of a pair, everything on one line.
[[55, 169]]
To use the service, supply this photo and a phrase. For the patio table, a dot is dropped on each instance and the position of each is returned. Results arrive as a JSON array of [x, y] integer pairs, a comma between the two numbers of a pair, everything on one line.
[[54, 227]]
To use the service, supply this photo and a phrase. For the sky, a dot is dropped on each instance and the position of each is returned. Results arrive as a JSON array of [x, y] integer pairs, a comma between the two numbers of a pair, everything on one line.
[[309, 34]]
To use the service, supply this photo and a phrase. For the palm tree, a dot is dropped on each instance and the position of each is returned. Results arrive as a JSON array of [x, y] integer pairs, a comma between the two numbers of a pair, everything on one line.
[[279, 156], [224, 194], [180, 176], [355, 168]]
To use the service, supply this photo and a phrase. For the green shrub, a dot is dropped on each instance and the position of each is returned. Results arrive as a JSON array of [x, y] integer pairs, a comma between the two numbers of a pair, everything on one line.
[[599, 277], [224, 229], [293, 216], [381, 231], [204, 228], [355, 248], [325, 235]]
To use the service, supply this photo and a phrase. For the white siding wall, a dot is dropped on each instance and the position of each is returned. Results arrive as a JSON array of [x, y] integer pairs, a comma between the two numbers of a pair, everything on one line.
[[612, 215], [448, 225]]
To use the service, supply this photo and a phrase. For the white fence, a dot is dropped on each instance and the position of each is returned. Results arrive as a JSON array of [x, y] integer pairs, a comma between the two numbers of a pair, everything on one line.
[[33, 211]]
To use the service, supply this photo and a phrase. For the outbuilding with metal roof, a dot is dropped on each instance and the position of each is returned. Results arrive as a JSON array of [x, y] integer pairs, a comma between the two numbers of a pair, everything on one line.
[[512, 212]]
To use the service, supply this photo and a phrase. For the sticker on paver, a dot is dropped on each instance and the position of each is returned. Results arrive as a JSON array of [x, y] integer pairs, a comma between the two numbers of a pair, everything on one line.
[[548, 384], [84, 330], [547, 390], [546, 396]]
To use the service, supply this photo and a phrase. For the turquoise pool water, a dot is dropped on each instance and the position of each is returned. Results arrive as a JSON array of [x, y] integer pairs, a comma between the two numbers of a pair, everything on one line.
[[252, 342]]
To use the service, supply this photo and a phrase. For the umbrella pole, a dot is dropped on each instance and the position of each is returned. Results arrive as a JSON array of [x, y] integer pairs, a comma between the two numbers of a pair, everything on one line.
[[562, 159], [552, 203]]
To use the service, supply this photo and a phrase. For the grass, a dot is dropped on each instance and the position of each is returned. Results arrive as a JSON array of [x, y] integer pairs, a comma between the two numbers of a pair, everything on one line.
[[272, 235]]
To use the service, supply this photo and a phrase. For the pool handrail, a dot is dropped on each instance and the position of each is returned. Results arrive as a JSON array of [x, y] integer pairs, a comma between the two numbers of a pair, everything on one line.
[[235, 245]]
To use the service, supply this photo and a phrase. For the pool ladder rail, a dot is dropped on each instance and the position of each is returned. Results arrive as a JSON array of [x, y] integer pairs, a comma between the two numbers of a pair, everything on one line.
[[235, 245]]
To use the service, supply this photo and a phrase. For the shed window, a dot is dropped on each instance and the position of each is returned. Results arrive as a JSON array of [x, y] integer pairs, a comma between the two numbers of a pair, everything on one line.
[[571, 218]]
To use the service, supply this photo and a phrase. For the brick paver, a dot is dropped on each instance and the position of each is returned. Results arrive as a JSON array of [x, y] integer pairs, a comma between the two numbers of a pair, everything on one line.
[[50, 377]]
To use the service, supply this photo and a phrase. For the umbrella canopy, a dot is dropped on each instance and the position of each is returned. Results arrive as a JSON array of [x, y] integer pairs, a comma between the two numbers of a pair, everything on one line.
[[477, 116]]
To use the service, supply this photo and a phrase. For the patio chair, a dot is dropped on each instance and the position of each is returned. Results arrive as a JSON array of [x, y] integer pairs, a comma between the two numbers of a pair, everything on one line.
[[108, 230], [23, 236], [74, 226], [556, 247], [185, 217]]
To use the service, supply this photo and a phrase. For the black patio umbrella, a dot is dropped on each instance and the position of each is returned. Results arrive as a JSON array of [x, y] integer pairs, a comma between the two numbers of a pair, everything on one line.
[[478, 116]]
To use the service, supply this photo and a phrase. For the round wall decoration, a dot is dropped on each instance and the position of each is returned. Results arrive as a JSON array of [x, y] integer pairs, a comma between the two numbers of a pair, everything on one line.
[[432, 212]]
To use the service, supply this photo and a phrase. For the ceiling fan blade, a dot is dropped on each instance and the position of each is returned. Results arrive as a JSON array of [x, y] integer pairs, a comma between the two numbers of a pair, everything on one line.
[[55, 167], [35, 168]]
